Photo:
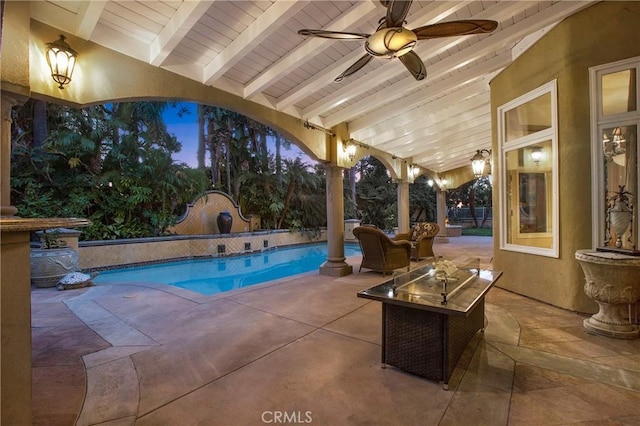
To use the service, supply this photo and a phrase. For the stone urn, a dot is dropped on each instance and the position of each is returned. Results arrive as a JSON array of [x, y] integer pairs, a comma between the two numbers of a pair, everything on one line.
[[49, 265], [225, 220], [612, 281]]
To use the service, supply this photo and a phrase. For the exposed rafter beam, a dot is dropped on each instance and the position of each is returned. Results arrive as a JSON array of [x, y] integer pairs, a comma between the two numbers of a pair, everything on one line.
[[88, 17], [407, 102], [437, 11], [486, 46], [419, 114], [360, 12], [467, 110], [178, 26], [393, 68], [252, 36]]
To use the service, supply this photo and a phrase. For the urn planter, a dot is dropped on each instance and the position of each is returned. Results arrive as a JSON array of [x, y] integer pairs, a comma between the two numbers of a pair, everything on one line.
[[611, 280], [225, 220], [48, 266]]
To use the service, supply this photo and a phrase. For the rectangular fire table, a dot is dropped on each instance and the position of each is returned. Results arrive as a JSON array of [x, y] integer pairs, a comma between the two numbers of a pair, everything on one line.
[[429, 317]]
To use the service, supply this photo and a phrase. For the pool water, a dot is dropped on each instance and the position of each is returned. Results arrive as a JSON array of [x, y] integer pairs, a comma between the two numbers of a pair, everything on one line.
[[220, 274]]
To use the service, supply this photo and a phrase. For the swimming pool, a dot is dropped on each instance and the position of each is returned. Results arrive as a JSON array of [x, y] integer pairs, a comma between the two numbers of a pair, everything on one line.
[[220, 274]]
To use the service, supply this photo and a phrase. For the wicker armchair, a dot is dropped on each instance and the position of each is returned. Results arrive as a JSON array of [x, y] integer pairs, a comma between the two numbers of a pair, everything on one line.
[[421, 237], [381, 253]]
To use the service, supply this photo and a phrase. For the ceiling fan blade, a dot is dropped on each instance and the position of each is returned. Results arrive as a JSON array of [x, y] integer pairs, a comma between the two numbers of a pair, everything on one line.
[[332, 34], [397, 11], [355, 67], [414, 64], [456, 28]]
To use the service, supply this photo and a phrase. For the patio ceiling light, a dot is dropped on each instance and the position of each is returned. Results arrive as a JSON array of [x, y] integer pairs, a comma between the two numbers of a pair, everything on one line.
[[62, 60], [479, 162]]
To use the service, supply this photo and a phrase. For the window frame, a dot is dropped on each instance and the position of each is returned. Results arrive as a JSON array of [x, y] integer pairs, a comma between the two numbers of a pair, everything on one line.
[[545, 135], [600, 122]]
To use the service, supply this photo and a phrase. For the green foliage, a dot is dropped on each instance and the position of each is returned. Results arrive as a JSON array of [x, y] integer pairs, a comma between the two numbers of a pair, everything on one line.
[[422, 200], [110, 164], [377, 199]]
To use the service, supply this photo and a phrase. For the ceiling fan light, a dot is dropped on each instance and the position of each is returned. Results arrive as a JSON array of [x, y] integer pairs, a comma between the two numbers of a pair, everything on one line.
[[391, 42]]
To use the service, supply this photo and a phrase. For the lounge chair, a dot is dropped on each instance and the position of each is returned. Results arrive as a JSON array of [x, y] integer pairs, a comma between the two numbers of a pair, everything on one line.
[[381, 253], [421, 237]]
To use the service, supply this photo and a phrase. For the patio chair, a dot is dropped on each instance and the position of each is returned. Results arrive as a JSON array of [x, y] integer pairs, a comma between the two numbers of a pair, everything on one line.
[[379, 252], [421, 237]]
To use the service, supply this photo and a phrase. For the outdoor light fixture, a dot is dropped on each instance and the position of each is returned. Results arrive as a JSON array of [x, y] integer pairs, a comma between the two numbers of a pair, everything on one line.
[[62, 60], [414, 169], [430, 182], [479, 162], [350, 149], [443, 184], [536, 154], [613, 147]]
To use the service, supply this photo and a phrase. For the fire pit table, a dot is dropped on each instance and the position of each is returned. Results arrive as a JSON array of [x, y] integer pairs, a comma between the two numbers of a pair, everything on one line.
[[429, 316]]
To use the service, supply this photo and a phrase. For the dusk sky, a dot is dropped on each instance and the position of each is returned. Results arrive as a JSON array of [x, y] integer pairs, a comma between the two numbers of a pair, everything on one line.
[[185, 128]]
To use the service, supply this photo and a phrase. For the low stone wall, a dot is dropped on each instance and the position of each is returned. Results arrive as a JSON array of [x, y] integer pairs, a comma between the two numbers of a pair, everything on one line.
[[96, 255], [454, 230]]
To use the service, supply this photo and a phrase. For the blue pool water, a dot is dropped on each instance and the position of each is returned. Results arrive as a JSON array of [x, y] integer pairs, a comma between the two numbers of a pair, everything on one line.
[[216, 275]]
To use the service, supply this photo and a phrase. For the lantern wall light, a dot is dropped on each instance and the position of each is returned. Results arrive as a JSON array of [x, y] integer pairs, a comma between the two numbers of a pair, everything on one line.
[[479, 162], [62, 60], [350, 149], [536, 154]]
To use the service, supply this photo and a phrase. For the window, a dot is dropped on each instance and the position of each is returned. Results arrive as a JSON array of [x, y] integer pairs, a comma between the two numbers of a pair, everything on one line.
[[615, 120], [527, 138]]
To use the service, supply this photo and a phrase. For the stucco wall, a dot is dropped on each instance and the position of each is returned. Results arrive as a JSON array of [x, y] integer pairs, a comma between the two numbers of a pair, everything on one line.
[[603, 33]]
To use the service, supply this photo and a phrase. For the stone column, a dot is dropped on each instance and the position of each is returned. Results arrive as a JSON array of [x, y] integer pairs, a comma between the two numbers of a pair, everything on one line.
[[404, 218], [6, 209], [441, 204], [335, 265]]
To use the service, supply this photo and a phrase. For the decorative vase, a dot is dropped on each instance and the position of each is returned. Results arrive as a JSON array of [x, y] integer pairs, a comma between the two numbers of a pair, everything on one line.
[[48, 266], [620, 216], [225, 220]]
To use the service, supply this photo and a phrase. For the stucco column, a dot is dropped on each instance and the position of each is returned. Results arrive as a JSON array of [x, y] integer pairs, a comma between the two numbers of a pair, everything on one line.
[[441, 204], [404, 218], [335, 265], [6, 209]]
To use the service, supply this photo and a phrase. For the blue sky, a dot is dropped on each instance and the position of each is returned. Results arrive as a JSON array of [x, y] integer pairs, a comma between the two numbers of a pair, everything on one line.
[[185, 128]]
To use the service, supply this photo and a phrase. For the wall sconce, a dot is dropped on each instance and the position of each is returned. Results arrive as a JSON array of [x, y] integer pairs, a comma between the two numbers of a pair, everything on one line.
[[62, 60], [536, 154], [443, 184], [350, 149], [430, 182], [414, 169], [479, 162]]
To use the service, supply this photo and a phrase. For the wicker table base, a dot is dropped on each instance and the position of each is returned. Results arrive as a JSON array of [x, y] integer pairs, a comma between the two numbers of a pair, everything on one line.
[[427, 343]]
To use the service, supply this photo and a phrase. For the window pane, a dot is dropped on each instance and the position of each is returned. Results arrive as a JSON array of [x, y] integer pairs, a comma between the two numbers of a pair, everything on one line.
[[529, 195], [528, 118], [619, 92], [620, 151]]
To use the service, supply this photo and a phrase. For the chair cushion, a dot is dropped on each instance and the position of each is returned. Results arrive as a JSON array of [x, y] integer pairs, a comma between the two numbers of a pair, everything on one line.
[[421, 228]]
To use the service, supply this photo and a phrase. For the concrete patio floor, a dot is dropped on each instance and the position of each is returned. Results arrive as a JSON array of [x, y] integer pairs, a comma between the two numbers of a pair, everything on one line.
[[306, 350]]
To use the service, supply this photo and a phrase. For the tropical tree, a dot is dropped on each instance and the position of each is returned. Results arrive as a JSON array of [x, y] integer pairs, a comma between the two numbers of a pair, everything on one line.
[[422, 200], [377, 199]]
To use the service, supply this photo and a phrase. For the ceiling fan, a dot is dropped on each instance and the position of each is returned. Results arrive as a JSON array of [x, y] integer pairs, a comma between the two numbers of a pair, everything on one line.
[[392, 40]]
